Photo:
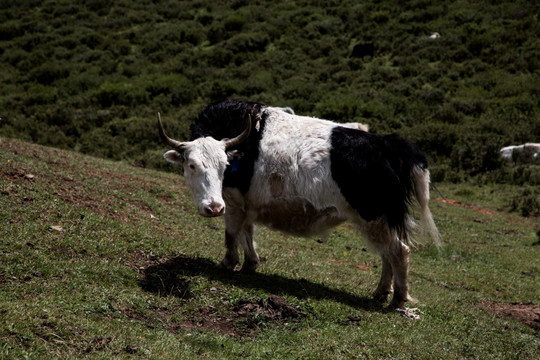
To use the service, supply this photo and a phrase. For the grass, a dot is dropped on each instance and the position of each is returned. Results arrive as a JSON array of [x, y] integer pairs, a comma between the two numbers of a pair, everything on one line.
[[104, 260]]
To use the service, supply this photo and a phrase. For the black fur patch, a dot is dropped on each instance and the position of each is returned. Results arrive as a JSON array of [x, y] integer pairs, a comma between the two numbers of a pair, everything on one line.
[[373, 173], [228, 119]]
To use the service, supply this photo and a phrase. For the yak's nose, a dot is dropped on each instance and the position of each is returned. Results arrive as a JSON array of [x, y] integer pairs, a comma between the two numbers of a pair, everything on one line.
[[214, 209]]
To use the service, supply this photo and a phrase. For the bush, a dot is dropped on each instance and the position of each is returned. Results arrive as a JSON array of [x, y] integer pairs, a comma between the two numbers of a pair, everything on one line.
[[527, 203], [431, 96], [477, 151], [47, 73], [247, 42], [434, 138], [339, 108], [54, 136], [11, 29], [100, 142], [221, 90], [40, 94], [258, 82], [234, 22], [219, 56], [176, 88], [121, 93]]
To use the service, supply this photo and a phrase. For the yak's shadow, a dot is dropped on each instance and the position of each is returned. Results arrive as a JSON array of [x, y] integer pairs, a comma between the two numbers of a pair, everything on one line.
[[172, 278]]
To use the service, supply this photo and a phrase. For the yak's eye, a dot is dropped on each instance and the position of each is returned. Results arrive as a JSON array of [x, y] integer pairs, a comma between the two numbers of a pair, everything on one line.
[[192, 167]]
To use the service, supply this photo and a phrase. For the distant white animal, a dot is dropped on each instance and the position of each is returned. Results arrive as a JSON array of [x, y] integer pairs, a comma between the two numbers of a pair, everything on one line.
[[434, 35], [507, 151]]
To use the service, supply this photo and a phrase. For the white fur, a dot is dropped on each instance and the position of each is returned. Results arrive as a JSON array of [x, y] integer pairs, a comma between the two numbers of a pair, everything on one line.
[[309, 201], [421, 187], [204, 161]]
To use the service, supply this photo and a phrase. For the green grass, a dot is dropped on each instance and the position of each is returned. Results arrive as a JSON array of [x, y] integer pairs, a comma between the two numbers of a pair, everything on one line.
[[130, 274]]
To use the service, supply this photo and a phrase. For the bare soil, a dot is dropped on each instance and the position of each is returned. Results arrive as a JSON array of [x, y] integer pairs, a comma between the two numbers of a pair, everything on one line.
[[244, 318], [528, 314]]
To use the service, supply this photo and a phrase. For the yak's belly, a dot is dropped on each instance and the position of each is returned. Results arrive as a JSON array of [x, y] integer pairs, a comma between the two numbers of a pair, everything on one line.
[[298, 217]]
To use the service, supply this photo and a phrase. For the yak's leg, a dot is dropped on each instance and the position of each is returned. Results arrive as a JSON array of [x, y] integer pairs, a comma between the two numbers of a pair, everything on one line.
[[231, 258], [399, 255], [238, 231], [233, 224], [385, 283], [395, 262], [251, 258]]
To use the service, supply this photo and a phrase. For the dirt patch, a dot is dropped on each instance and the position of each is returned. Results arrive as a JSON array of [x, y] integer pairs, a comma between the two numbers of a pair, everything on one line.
[[458, 203], [239, 321], [244, 318], [274, 308], [528, 314]]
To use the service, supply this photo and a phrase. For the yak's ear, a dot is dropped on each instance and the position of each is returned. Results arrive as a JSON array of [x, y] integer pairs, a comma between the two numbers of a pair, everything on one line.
[[174, 157], [234, 154], [233, 159]]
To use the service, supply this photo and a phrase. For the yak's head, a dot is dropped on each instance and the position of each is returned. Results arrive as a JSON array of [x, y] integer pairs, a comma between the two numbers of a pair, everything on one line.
[[204, 161]]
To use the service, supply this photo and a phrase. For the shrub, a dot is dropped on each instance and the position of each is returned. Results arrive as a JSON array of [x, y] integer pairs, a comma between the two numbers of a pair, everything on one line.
[[435, 138], [47, 73], [447, 113], [339, 108], [219, 56], [54, 136], [527, 203], [345, 108], [100, 142], [92, 39], [14, 56], [38, 94], [216, 33], [11, 29], [121, 93], [258, 82], [477, 151], [177, 89], [431, 96], [247, 42], [234, 22], [221, 90], [116, 60], [300, 93], [327, 25]]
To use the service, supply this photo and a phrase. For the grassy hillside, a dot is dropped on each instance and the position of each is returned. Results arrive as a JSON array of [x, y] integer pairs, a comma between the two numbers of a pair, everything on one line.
[[90, 75], [104, 260]]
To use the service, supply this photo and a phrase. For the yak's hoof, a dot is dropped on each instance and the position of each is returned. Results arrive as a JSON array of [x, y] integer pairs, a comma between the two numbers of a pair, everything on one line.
[[381, 296], [249, 267], [226, 265]]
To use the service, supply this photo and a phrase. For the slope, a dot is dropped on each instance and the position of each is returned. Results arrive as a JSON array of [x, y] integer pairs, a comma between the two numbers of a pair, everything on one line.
[[103, 259]]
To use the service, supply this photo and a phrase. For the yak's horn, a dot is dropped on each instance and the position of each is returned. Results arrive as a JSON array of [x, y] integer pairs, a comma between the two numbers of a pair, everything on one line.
[[167, 140]]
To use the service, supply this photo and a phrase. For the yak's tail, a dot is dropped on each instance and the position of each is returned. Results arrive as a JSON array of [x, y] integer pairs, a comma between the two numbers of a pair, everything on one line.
[[421, 191]]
